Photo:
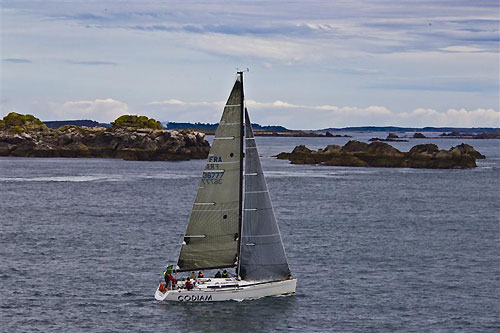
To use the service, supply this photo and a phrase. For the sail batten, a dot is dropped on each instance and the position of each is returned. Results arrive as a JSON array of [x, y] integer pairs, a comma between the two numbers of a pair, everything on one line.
[[262, 253], [216, 211]]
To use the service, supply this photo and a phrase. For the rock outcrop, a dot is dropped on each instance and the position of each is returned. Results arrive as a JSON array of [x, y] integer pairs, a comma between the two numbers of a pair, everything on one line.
[[484, 135], [391, 137], [380, 154], [129, 143]]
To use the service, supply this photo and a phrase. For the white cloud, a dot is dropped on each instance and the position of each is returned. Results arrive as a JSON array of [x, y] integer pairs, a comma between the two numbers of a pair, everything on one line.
[[254, 47], [322, 116], [459, 48], [103, 110], [168, 102], [453, 117], [182, 103]]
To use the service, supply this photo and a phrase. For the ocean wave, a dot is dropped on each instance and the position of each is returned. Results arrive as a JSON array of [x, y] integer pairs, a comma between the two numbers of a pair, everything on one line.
[[168, 176], [315, 173], [94, 178], [60, 179]]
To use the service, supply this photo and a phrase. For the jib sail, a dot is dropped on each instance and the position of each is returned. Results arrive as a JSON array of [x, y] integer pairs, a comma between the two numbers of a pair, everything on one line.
[[262, 252]]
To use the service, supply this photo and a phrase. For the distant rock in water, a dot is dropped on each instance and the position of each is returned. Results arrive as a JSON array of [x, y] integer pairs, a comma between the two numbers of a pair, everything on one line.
[[388, 139], [484, 135], [380, 154], [419, 136], [27, 136]]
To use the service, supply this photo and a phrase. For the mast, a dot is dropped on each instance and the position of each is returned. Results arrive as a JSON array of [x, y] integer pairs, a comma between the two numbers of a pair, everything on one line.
[[242, 137]]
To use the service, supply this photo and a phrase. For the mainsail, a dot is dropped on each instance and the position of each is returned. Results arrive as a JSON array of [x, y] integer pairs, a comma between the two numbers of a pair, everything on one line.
[[212, 236], [262, 254]]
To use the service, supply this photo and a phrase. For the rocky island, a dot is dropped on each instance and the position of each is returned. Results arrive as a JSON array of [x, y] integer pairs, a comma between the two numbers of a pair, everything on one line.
[[380, 154], [130, 137], [484, 135], [390, 137]]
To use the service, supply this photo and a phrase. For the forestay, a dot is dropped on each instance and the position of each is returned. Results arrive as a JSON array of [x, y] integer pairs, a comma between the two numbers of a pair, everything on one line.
[[211, 239], [262, 253]]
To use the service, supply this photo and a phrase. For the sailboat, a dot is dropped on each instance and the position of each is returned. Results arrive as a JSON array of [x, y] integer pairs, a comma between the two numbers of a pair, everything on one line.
[[232, 222]]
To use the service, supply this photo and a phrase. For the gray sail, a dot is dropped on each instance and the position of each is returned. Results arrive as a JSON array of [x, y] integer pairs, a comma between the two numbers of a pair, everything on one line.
[[211, 239], [262, 253]]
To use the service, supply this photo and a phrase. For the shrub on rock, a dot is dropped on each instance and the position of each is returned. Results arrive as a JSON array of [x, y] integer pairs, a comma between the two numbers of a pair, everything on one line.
[[136, 122], [18, 123]]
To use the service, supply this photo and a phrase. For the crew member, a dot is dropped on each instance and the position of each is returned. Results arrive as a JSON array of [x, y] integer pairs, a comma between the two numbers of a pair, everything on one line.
[[192, 275], [188, 285], [218, 275], [200, 275], [225, 274], [169, 279]]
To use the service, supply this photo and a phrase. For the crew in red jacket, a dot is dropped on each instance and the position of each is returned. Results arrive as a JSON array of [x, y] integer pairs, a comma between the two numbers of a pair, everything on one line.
[[188, 285], [170, 280]]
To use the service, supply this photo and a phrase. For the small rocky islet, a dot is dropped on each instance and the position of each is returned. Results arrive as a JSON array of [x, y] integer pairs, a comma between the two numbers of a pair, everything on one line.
[[130, 137], [380, 154]]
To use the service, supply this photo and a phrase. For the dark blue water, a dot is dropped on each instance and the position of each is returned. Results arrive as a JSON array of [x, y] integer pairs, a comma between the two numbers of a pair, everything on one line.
[[84, 242]]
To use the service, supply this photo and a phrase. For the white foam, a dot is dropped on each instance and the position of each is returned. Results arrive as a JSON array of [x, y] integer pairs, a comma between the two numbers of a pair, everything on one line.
[[95, 178], [60, 179], [168, 176], [315, 173]]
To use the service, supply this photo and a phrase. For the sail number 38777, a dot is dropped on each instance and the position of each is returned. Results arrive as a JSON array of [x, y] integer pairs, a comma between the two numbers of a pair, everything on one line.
[[212, 177]]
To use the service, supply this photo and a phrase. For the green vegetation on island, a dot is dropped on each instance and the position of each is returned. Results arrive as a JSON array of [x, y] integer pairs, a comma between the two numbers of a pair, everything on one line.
[[133, 121], [19, 123]]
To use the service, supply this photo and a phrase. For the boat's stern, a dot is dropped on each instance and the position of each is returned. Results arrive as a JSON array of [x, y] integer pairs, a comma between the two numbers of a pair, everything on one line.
[[161, 292]]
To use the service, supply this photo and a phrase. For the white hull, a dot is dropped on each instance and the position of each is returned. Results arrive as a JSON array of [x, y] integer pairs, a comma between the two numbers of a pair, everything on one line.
[[216, 290]]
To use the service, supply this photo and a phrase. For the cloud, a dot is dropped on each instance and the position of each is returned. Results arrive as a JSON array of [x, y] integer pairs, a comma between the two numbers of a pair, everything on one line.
[[452, 117], [459, 48], [287, 50], [180, 111], [432, 83], [103, 110], [182, 103], [301, 30], [241, 28], [364, 25], [94, 63], [18, 60], [301, 116], [344, 110]]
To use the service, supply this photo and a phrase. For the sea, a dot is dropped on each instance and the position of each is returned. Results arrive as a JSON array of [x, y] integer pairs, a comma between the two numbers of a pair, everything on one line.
[[84, 243]]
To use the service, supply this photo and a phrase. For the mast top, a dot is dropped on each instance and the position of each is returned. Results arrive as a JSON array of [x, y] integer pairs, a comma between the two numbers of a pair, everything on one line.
[[241, 71]]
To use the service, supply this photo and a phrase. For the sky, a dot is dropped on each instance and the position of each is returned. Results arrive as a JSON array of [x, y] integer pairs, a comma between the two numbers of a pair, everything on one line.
[[313, 64]]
